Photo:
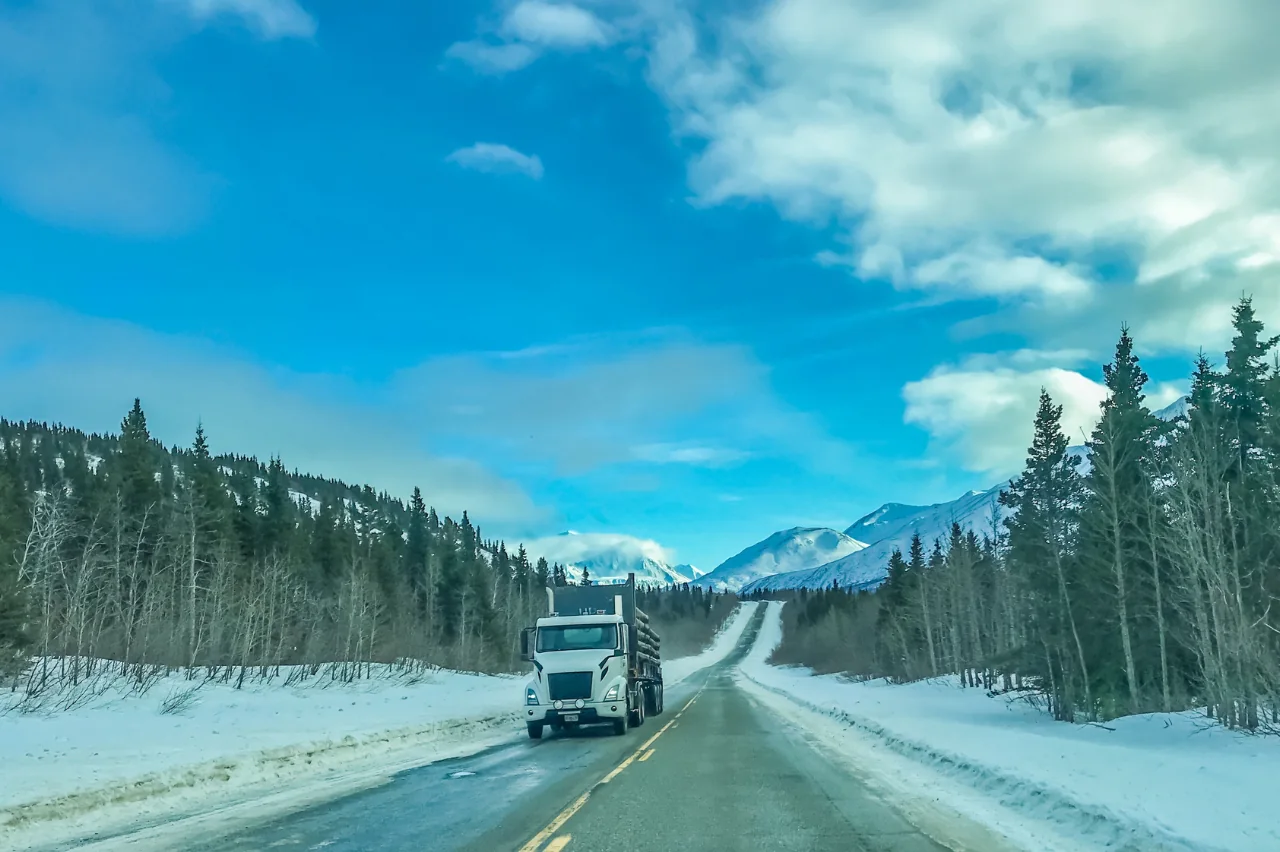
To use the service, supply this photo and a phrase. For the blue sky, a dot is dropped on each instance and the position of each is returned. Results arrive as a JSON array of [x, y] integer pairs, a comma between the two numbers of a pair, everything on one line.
[[689, 271]]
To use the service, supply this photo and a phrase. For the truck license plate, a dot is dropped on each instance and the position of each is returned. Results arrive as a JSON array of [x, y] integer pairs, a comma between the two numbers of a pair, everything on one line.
[[571, 717]]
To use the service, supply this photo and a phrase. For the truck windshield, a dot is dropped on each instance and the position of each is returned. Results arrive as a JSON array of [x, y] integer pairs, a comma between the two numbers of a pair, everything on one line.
[[582, 637]]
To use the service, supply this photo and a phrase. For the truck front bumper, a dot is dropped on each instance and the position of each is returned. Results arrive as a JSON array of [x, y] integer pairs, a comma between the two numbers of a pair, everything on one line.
[[592, 714]]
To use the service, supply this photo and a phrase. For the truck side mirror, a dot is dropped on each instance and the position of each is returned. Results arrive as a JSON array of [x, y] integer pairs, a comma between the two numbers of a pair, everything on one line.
[[525, 652]]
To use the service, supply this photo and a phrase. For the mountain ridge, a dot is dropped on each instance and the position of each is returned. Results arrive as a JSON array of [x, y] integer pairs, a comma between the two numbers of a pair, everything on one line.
[[794, 549]]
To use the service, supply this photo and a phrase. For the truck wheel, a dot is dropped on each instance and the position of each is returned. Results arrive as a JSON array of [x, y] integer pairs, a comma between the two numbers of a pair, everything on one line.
[[535, 731], [637, 712], [659, 701], [650, 701], [620, 727]]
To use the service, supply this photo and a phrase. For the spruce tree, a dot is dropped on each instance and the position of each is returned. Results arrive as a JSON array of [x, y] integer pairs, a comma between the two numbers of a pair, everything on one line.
[[417, 550], [135, 468], [1244, 385], [1118, 525], [1042, 531]]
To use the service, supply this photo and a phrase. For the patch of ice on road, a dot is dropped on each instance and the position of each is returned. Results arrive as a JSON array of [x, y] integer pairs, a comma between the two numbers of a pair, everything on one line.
[[1169, 781]]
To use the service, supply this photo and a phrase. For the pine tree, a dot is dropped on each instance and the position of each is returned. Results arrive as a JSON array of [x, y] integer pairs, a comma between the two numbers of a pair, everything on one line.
[[135, 469], [1244, 386], [1118, 523], [1042, 531], [417, 551], [279, 512]]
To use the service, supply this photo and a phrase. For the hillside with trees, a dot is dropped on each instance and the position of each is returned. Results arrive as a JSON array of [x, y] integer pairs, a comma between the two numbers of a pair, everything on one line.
[[120, 557], [1145, 580]]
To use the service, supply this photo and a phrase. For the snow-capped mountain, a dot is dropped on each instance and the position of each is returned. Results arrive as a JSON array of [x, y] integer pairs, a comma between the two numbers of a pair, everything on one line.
[[887, 529], [791, 550], [891, 527], [690, 571], [610, 557]]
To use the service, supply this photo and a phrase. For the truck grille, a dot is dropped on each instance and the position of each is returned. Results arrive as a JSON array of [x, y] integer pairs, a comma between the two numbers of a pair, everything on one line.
[[568, 686]]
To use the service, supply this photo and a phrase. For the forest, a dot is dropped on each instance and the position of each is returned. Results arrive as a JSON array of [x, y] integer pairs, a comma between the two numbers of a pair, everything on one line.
[[1140, 576], [120, 558]]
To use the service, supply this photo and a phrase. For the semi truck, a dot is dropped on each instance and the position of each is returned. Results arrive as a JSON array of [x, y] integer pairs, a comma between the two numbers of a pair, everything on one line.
[[596, 661]]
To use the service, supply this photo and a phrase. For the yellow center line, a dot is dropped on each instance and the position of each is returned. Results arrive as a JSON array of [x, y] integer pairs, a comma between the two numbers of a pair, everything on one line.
[[648, 754], [565, 815], [559, 843]]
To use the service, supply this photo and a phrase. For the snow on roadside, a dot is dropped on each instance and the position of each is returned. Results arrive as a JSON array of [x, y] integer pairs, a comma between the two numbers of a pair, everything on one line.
[[1166, 781], [725, 640], [122, 749]]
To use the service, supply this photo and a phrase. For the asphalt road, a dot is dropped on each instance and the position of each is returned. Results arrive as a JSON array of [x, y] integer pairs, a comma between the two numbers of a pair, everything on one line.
[[716, 772]]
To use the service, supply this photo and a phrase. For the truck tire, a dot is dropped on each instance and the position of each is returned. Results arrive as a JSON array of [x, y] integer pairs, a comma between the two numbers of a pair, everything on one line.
[[650, 701], [620, 727], [659, 701], [535, 731], [637, 711]]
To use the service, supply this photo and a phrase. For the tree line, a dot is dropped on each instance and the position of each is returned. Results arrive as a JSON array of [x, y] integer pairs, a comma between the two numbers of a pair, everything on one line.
[[116, 552], [1143, 576]]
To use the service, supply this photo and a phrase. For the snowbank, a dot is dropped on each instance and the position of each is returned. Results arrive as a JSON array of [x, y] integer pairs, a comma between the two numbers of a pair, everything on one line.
[[1166, 781], [122, 750], [674, 671]]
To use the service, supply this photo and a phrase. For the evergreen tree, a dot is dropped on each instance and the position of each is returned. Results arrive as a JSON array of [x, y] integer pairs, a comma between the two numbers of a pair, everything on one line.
[[1244, 386], [135, 469], [1042, 532], [417, 551], [1118, 527]]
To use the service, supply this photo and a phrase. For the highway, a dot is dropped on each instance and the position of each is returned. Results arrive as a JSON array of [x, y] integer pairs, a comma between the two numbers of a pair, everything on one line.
[[716, 771]]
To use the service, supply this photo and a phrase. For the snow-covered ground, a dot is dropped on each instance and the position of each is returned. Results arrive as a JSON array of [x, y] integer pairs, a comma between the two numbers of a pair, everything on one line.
[[122, 756], [121, 760], [1158, 781]]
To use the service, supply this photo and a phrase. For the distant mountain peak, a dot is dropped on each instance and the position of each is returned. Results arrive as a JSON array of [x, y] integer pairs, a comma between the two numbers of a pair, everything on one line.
[[787, 550]]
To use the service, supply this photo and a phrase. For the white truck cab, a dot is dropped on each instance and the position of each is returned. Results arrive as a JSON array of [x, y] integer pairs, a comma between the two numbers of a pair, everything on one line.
[[598, 664]]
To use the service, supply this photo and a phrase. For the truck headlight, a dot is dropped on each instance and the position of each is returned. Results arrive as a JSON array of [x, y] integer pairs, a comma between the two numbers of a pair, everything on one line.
[[612, 694], [530, 696]]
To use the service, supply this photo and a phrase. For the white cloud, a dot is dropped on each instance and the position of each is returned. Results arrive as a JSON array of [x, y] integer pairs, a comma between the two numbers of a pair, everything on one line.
[[85, 372], [983, 414], [574, 547], [271, 19], [988, 271], [492, 58], [527, 30], [690, 454], [991, 148], [982, 411], [562, 25], [497, 159]]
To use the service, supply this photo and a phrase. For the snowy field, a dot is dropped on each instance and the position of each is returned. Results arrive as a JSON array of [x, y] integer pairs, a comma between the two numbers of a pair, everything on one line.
[[122, 759], [1158, 781]]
